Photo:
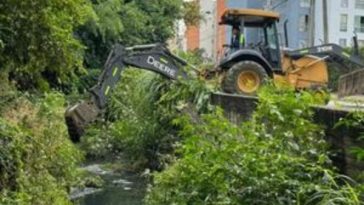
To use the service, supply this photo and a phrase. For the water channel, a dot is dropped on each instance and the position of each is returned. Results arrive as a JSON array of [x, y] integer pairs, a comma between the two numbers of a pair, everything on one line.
[[124, 188]]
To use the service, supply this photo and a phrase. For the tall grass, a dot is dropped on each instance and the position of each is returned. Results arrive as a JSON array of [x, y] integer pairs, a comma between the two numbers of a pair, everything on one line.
[[37, 161], [279, 157]]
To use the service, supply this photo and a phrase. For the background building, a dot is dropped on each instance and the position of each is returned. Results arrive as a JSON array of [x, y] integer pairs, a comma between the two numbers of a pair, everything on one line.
[[208, 36], [304, 19], [345, 18], [297, 15]]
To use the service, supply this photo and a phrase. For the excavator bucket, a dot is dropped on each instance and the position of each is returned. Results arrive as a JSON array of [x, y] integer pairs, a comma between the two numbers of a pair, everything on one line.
[[351, 83], [78, 116]]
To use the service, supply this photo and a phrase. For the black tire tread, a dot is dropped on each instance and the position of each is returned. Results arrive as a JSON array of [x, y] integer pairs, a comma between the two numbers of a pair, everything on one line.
[[229, 84]]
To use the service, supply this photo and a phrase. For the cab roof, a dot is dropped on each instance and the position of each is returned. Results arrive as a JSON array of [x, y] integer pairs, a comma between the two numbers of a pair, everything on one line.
[[251, 17]]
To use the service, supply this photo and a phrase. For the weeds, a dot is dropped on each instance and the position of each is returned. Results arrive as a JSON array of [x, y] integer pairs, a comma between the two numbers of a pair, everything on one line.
[[37, 161], [140, 115], [279, 157]]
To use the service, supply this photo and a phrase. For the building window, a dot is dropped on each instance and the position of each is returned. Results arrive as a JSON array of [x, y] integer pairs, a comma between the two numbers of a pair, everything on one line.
[[359, 4], [305, 3], [359, 24], [303, 24], [342, 42], [344, 3], [344, 22]]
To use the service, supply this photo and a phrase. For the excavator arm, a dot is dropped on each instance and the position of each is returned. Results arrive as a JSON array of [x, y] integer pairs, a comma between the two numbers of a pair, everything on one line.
[[349, 84], [153, 57], [335, 53]]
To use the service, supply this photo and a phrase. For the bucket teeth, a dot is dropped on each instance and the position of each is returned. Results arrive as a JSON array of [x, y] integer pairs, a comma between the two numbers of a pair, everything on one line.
[[351, 83]]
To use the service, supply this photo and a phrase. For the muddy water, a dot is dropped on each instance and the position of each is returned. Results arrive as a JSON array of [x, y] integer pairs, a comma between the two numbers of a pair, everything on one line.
[[120, 189]]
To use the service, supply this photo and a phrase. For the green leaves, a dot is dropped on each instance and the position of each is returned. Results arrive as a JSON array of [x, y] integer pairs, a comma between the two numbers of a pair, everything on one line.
[[354, 121], [279, 157], [39, 46], [37, 161], [128, 23], [192, 14], [108, 25]]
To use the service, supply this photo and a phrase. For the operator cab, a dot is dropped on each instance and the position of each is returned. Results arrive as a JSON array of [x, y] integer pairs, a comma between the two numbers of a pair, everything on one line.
[[263, 24]]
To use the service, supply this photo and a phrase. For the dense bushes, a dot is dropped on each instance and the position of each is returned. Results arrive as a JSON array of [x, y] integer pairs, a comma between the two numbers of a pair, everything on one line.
[[140, 117], [37, 161], [277, 158], [355, 123], [45, 43], [37, 43], [128, 23]]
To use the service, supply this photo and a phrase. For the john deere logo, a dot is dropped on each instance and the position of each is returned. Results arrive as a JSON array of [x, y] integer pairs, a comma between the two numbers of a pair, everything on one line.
[[161, 66], [325, 48]]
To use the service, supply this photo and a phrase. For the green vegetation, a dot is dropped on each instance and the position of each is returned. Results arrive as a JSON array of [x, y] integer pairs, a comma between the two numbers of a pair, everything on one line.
[[354, 122], [44, 44], [38, 47], [192, 15], [37, 161], [279, 157], [46, 50], [129, 23], [51, 45], [140, 117]]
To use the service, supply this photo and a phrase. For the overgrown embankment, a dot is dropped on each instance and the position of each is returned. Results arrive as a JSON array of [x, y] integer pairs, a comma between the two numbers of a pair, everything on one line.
[[139, 119], [51, 45], [279, 157], [37, 161]]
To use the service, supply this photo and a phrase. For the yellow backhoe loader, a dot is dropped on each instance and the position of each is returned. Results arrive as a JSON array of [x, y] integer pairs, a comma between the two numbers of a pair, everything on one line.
[[247, 67]]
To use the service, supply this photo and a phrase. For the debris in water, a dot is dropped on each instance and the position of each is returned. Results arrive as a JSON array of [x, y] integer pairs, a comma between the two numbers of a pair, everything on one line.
[[96, 169], [79, 193], [122, 181]]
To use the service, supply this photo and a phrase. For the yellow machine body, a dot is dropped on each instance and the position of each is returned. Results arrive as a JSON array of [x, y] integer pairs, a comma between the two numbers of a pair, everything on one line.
[[306, 72]]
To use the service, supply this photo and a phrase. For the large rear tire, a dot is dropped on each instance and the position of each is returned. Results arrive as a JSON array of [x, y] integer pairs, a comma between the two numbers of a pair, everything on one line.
[[245, 77]]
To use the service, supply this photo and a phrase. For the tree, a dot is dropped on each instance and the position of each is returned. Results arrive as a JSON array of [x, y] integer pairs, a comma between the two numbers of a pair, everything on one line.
[[128, 22], [37, 45]]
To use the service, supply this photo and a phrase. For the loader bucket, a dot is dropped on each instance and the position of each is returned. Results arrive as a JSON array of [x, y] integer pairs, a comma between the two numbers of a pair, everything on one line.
[[78, 116], [351, 84]]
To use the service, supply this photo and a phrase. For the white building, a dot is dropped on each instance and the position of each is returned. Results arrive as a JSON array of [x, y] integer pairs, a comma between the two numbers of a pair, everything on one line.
[[208, 28], [207, 35], [344, 18]]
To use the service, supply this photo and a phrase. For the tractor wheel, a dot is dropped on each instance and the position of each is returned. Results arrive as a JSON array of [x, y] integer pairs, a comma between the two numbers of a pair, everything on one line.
[[245, 77]]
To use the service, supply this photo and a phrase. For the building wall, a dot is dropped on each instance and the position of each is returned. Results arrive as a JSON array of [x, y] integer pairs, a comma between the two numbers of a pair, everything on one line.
[[208, 28], [207, 36], [193, 37], [220, 31], [179, 42], [296, 38], [335, 9]]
